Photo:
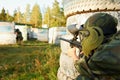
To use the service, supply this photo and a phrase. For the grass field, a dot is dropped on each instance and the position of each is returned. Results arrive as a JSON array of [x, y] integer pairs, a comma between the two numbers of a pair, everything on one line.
[[33, 60]]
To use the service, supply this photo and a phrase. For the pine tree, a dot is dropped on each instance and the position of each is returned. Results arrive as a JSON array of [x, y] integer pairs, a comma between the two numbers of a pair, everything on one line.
[[55, 13], [9, 17], [26, 16], [47, 17], [36, 16], [3, 15], [63, 18], [58, 18], [15, 15], [18, 17]]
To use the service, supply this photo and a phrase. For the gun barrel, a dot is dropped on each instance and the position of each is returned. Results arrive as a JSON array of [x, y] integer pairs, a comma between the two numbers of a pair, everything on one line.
[[74, 43], [65, 40]]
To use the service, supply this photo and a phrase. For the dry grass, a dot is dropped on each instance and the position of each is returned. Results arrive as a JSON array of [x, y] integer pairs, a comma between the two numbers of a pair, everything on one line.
[[33, 60]]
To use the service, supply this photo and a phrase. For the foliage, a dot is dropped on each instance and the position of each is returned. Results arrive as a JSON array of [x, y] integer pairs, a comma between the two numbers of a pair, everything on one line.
[[9, 18], [26, 17], [33, 60], [54, 16], [18, 16], [3, 15], [47, 17], [36, 16], [15, 14]]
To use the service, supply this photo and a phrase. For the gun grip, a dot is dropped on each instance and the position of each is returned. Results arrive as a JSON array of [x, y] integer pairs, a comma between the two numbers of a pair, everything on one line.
[[71, 45]]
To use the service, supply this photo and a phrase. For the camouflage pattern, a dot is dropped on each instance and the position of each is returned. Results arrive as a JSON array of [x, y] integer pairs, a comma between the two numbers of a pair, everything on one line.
[[107, 22], [65, 68], [104, 64]]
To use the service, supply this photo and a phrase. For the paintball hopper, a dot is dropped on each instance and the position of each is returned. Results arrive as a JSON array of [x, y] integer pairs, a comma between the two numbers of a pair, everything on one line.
[[78, 29], [74, 28]]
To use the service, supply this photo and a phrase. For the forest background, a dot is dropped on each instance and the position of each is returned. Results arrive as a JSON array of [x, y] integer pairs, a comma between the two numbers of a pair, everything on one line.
[[52, 16]]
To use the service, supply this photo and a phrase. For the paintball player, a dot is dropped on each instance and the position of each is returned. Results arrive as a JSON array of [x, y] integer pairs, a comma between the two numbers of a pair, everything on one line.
[[100, 49], [19, 36]]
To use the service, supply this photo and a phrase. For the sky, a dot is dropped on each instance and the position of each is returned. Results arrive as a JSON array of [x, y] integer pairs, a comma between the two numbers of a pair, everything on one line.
[[11, 5]]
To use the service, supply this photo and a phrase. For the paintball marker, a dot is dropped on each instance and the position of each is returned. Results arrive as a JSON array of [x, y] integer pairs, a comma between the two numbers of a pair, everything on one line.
[[75, 31], [72, 43]]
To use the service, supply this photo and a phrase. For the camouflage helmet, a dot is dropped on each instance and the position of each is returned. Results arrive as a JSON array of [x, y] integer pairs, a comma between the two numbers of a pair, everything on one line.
[[105, 21]]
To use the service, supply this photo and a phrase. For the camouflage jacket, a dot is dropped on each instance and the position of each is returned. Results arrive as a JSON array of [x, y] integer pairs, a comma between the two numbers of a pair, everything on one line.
[[104, 64]]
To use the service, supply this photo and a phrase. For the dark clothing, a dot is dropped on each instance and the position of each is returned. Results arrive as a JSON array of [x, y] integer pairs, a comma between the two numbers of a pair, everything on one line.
[[103, 64], [19, 36]]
